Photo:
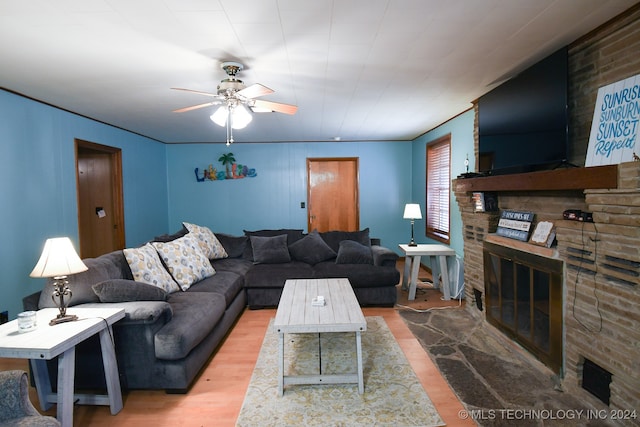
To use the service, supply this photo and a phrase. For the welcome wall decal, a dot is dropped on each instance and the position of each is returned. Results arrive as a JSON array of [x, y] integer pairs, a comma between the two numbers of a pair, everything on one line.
[[615, 129], [232, 170]]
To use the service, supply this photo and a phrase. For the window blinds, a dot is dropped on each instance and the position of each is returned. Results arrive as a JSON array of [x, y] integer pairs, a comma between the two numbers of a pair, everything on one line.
[[438, 186]]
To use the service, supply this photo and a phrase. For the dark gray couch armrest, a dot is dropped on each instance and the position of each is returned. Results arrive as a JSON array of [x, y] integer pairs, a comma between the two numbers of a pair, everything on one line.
[[30, 302], [383, 257]]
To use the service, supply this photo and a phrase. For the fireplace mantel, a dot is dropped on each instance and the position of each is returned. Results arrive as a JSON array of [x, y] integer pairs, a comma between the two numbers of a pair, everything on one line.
[[595, 177], [522, 246]]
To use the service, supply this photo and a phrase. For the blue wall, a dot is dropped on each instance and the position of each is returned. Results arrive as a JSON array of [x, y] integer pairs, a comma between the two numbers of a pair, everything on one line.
[[272, 199], [462, 145], [38, 186]]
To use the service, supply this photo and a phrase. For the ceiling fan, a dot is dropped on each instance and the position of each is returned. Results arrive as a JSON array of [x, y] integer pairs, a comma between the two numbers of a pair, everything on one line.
[[234, 97]]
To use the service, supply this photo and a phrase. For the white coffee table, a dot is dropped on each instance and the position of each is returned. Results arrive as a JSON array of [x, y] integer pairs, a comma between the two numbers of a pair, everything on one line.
[[296, 315], [46, 342], [412, 266]]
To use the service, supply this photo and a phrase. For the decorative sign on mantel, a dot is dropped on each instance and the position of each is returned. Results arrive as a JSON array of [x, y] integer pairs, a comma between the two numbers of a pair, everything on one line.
[[515, 224], [615, 128], [232, 170], [543, 234]]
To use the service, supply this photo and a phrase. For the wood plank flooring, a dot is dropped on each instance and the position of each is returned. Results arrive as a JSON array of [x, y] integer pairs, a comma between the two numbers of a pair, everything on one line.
[[217, 395]]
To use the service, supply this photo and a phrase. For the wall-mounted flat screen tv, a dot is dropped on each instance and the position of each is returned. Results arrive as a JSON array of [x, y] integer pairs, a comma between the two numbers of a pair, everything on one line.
[[523, 123]]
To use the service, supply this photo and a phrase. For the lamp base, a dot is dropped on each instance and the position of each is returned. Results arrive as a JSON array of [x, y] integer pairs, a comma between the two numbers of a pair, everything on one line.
[[412, 244], [63, 319]]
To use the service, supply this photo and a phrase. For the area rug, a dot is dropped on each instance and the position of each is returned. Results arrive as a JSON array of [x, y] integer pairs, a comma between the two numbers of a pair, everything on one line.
[[393, 396]]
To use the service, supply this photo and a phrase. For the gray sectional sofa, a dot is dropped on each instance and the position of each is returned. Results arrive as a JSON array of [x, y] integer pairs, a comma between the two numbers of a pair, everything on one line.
[[170, 331]]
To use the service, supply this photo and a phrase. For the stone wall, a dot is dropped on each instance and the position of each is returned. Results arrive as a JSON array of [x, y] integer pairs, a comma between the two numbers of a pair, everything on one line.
[[602, 259], [602, 288]]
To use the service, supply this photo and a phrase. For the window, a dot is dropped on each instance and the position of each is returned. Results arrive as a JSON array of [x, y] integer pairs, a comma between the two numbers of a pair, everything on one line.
[[438, 185]]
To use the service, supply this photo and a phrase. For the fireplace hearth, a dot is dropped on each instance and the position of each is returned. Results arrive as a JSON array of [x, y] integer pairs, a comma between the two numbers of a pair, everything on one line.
[[596, 265]]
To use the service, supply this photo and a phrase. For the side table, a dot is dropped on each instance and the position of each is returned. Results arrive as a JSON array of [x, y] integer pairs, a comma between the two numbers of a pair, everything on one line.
[[412, 266], [46, 342]]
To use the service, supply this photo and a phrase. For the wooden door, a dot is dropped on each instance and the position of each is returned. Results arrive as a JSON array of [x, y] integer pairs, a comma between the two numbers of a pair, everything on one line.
[[100, 205], [332, 194]]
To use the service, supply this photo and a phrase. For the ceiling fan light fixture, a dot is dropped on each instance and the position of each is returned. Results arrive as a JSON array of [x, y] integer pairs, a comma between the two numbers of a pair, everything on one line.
[[240, 116]]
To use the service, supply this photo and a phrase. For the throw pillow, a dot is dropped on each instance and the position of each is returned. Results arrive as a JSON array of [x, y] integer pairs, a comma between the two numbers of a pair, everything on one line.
[[311, 249], [209, 243], [352, 252], [233, 245], [146, 267], [333, 238], [170, 237], [184, 260], [293, 235], [123, 290], [270, 250]]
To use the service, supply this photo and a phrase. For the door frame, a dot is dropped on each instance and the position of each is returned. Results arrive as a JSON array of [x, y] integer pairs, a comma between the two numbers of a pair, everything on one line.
[[356, 160], [115, 157]]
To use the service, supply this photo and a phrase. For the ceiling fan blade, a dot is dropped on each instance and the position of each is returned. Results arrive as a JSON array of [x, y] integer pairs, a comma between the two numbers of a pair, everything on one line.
[[196, 91], [275, 106], [254, 91], [195, 107]]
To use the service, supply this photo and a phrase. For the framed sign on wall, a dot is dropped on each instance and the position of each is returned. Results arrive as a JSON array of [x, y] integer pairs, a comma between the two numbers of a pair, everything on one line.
[[615, 129]]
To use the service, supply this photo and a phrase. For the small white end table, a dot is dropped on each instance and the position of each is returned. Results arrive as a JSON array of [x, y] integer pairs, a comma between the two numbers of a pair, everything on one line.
[[46, 342], [412, 266]]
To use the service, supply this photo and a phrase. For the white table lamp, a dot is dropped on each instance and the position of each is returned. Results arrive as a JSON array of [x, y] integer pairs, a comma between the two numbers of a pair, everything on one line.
[[412, 212], [59, 260]]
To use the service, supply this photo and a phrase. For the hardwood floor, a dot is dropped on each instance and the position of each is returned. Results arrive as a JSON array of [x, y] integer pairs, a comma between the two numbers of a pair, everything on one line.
[[217, 395]]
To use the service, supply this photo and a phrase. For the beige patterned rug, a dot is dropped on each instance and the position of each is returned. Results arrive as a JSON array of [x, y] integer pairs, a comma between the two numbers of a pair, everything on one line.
[[393, 396]]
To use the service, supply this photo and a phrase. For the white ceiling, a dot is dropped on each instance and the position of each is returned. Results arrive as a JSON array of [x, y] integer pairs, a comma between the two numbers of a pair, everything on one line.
[[357, 69]]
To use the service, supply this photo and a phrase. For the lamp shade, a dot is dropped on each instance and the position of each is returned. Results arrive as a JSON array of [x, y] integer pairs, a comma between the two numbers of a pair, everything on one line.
[[219, 117], [58, 258], [240, 117], [412, 211]]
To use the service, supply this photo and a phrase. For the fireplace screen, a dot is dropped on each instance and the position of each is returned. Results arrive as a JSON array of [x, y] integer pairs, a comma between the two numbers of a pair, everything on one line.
[[524, 300]]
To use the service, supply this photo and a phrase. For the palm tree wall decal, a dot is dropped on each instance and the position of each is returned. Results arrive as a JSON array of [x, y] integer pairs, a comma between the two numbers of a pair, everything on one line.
[[227, 159]]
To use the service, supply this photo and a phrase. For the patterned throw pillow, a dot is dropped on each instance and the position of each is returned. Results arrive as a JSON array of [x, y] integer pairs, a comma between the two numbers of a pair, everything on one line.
[[209, 243], [185, 260], [146, 268]]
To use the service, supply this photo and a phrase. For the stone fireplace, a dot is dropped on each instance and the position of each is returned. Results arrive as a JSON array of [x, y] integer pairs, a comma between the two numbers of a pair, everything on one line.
[[598, 319]]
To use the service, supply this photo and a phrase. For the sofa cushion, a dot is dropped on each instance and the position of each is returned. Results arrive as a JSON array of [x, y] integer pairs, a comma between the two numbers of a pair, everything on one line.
[[107, 266], [184, 260], [209, 243], [123, 290], [274, 275], [293, 235], [234, 245], [146, 267], [195, 314], [333, 238], [352, 252], [311, 249], [239, 266], [359, 275], [226, 283], [270, 250]]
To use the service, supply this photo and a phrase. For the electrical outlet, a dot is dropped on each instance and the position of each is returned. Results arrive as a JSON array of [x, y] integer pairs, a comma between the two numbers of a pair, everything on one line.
[[4, 317]]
